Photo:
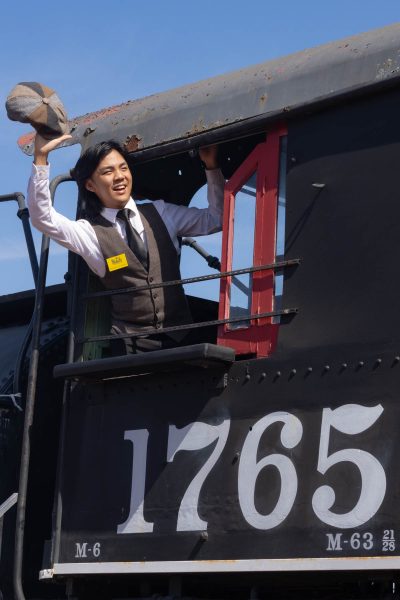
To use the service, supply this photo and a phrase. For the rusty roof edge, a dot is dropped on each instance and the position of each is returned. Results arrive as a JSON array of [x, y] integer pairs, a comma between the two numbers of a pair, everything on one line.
[[299, 79], [249, 125]]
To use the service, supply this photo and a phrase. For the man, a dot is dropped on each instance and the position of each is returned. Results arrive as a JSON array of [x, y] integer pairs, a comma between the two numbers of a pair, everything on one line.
[[124, 244]]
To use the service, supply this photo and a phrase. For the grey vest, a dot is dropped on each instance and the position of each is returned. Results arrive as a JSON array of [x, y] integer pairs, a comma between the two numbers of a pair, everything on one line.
[[159, 307]]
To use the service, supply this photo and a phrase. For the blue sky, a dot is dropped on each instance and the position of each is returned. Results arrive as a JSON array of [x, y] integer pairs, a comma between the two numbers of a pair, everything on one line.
[[96, 54]]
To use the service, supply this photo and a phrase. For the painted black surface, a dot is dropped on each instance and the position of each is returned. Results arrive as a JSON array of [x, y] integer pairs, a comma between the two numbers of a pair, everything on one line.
[[341, 348], [236, 586], [15, 312], [96, 495], [16, 309], [346, 234]]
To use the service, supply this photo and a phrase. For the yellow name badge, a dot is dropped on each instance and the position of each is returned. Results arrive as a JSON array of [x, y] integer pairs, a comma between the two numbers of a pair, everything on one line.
[[117, 262]]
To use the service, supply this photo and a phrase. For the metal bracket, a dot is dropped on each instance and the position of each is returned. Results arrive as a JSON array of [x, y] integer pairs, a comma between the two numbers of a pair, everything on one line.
[[13, 397]]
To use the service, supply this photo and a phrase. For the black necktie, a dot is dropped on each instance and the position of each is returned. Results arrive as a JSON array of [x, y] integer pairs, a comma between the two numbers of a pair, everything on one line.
[[135, 242]]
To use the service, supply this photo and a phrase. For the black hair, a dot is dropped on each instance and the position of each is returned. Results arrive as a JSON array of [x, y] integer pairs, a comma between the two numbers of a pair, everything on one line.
[[84, 169]]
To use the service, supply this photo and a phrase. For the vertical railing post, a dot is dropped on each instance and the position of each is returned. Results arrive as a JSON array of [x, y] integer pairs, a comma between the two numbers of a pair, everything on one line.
[[30, 405]]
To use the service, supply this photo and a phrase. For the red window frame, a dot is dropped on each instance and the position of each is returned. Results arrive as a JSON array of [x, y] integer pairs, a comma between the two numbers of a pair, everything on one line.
[[261, 336]]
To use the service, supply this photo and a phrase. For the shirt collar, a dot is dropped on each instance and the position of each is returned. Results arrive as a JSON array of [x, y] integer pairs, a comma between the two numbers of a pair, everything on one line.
[[111, 213]]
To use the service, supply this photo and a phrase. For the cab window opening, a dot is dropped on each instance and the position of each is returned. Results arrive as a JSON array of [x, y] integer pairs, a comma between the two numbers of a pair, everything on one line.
[[192, 264], [181, 180]]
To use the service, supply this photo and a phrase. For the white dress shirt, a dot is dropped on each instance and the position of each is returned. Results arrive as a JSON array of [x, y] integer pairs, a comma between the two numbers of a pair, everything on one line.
[[80, 237]]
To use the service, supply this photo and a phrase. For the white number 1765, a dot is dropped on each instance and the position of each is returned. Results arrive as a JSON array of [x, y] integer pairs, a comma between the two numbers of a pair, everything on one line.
[[349, 419]]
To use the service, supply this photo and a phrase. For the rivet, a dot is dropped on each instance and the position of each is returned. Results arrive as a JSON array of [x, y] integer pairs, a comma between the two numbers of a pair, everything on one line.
[[343, 366], [278, 374], [247, 376], [204, 536], [396, 359], [293, 372], [326, 368], [263, 375], [360, 364], [319, 186], [378, 362]]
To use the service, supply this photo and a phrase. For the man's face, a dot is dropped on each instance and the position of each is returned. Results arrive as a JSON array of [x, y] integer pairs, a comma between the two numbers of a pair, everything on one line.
[[111, 181]]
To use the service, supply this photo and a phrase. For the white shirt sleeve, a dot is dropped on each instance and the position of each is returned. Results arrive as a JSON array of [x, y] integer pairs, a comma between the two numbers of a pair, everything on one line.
[[78, 236], [183, 220]]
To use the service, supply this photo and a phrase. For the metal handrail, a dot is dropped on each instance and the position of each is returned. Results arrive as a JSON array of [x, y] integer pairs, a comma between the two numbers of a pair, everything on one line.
[[30, 404], [189, 326], [23, 214], [272, 266], [56, 516]]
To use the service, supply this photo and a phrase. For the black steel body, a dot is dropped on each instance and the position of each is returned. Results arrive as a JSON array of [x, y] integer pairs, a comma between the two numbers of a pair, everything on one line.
[[340, 352], [202, 463], [96, 496], [15, 315]]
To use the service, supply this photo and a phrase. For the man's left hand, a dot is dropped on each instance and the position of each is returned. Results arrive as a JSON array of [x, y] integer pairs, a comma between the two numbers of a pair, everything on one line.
[[208, 155]]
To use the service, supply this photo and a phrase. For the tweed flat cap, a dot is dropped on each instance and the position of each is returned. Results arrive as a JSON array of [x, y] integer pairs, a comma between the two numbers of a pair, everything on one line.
[[39, 105]]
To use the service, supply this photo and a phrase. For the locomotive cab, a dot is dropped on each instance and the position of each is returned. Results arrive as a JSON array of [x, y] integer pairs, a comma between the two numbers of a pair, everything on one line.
[[246, 312], [265, 456], [247, 318]]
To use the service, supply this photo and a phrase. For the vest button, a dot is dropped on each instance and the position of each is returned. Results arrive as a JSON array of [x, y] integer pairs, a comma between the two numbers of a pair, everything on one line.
[[157, 311], [151, 279], [158, 325], [155, 295]]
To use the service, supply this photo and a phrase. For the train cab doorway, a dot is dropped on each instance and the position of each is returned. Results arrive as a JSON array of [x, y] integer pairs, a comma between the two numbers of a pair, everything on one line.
[[242, 307], [252, 225]]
